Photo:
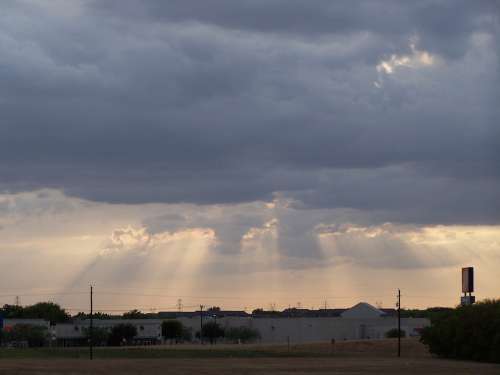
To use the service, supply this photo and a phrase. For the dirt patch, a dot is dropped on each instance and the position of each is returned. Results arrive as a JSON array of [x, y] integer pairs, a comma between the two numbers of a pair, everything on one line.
[[260, 366]]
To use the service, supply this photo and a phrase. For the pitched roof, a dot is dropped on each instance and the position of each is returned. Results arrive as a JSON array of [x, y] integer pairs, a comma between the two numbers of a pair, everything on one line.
[[362, 309]]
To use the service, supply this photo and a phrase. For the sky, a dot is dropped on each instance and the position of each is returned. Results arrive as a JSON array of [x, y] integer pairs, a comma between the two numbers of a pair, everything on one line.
[[248, 153]]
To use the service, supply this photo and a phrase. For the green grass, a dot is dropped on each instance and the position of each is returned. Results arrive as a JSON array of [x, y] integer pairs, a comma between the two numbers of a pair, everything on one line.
[[146, 353]]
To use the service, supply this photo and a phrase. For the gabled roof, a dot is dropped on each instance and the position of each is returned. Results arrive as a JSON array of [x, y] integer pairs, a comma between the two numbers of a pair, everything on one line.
[[362, 310]]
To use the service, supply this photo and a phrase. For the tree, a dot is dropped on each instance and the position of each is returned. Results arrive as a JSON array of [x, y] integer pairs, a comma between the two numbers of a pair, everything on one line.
[[393, 333], [122, 334], [428, 313], [212, 331], [46, 310], [467, 332], [262, 312], [34, 335], [242, 334], [100, 335], [12, 311], [187, 334], [96, 315], [172, 329], [134, 314], [43, 310]]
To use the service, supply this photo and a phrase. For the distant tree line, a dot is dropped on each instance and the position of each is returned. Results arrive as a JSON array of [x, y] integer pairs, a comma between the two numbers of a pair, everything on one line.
[[429, 313], [55, 314], [49, 311], [466, 332]]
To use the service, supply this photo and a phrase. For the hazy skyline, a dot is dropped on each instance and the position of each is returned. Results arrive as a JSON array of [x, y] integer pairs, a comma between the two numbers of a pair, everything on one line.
[[244, 153]]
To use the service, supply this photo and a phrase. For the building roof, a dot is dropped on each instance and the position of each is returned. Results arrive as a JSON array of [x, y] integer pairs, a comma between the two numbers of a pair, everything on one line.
[[363, 310], [389, 312], [208, 313], [35, 322]]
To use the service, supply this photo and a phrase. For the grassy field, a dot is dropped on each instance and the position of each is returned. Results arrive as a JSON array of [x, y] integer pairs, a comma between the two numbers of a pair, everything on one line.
[[352, 357], [412, 348], [151, 353]]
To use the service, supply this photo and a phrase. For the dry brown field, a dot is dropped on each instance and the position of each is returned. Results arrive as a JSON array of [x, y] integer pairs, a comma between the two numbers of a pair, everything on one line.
[[356, 357]]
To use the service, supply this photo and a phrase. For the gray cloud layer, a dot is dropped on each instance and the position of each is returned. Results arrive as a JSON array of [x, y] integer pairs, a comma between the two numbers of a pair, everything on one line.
[[225, 102]]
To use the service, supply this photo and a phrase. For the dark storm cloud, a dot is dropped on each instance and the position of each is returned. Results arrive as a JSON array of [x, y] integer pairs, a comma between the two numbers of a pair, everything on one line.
[[303, 19], [226, 102]]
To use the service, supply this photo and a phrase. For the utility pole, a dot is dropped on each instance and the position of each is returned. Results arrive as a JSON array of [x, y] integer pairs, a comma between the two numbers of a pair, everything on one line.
[[399, 323], [91, 335], [201, 324], [215, 319]]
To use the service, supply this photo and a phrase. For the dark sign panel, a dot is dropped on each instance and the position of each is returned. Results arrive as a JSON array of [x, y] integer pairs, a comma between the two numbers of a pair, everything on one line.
[[467, 280], [467, 300]]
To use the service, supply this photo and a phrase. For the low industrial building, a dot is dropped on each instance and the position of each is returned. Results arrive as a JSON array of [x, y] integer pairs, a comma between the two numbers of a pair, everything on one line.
[[9, 323], [74, 333], [362, 321]]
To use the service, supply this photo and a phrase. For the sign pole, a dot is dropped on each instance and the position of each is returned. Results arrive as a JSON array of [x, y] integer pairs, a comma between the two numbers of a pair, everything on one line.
[[399, 323], [91, 328]]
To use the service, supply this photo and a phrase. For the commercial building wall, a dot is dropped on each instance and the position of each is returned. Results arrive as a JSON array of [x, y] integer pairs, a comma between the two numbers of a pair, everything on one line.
[[272, 330], [301, 330], [73, 333], [34, 322]]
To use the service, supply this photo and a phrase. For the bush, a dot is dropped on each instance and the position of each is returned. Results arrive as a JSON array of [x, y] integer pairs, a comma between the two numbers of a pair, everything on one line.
[[187, 334], [467, 332], [212, 331], [393, 333], [100, 335], [242, 334], [172, 329], [122, 334]]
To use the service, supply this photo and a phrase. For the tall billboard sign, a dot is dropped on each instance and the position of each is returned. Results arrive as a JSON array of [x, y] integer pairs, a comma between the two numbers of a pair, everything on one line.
[[467, 286], [467, 279]]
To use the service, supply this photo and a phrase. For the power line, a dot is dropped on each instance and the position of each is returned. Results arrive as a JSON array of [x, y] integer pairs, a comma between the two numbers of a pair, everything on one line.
[[141, 308], [234, 297], [40, 294]]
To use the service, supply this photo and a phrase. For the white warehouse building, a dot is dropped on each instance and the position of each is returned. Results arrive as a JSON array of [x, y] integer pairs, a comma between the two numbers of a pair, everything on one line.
[[361, 321]]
